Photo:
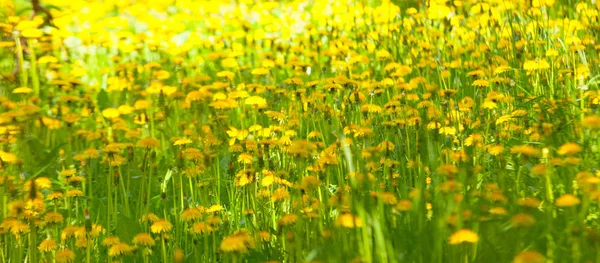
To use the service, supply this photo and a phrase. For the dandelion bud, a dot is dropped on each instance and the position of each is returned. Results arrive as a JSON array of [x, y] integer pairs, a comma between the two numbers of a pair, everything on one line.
[[88, 222], [32, 190], [178, 255], [161, 99], [130, 153], [545, 153]]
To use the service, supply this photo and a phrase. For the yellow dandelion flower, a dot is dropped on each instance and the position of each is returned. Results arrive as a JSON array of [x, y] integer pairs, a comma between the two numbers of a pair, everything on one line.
[[449, 131], [371, 108], [438, 11], [287, 220], [404, 205], [182, 141], [229, 63], [110, 240], [501, 69], [264, 236], [143, 239], [148, 143], [74, 193], [191, 214], [32, 33], [111, 113], [498, 211], [481, 83], [260, 71], [215, 208], [119, 249], [65, 256], [463, 236], [201, 228], [591, 122], [53, 218], [495, 149], [161, 226], [569, 148], [22, 90], [239, 242], [489, 105], [523, 220], [529, 257], [47, 59], [525, 150], [48, 245], [226, 74], [567, 200], [348, 220], [178, 255], [280, 194], [256, 101]]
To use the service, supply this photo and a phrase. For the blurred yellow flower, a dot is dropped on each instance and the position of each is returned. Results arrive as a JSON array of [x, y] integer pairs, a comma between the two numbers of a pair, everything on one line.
[[567, 200], [111, 113], [463, 236]]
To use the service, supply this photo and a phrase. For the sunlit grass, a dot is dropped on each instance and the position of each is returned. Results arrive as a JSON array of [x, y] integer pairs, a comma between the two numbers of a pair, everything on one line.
[[302, 131]]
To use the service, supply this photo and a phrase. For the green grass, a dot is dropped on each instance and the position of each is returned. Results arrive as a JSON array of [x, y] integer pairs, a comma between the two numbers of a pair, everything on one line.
[[300, 132]]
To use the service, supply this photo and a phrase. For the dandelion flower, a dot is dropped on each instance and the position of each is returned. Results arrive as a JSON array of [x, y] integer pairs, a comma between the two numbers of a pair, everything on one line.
[[463, 236], [256, 101], [161, 226], [215, 208], [178, 255], [239, 242], [191, 214], [591, 122], [245, 158], [529, 257], [280, 194], [567, 200], [287, 220], [404, 205], [65, 256], [111, 113], [48, 245], [182, 141], [481, 83], [264, 236], [110, 240], [523, 220], [148, 143], [22, 90], [348, 220], [260, 71], [525, 150], [119, 249], [201, 228], [569, 148], [32, 33], [53, 218], [143, 239]]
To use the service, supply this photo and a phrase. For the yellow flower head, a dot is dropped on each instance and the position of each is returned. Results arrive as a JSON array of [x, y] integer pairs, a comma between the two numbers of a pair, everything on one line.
[[463, 236], [161, 226], [569, 148], [567, 200], [143, 239], [348, 220]]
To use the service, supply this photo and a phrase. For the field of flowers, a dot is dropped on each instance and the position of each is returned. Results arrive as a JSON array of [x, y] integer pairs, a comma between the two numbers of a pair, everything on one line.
[[299, 131]]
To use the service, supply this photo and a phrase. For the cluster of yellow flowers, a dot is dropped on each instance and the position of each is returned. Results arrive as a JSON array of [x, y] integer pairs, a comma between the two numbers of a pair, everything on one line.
[[265, 130]]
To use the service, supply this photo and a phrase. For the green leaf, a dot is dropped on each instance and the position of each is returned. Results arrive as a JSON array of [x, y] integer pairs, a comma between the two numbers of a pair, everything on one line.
[[103, 100], [127, 228]]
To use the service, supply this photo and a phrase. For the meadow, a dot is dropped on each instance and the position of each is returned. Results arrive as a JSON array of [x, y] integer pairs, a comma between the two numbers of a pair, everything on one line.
[[299, 131]]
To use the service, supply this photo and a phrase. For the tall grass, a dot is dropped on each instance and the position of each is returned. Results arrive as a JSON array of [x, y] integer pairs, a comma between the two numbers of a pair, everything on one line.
[[303, 131]]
